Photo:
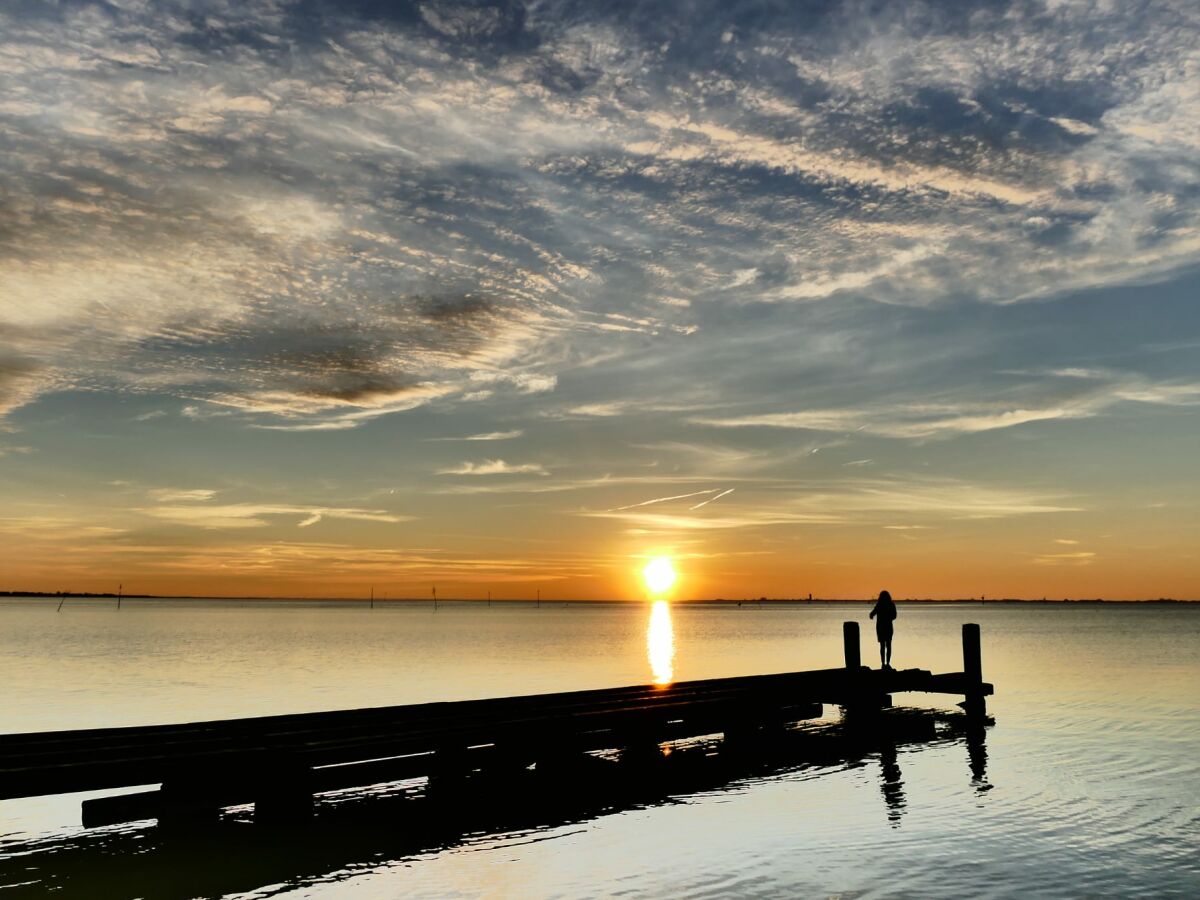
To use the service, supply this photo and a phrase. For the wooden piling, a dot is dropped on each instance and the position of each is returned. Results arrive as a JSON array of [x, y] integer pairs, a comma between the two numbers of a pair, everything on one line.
[[972, 661], [974, 703], [850, 645]]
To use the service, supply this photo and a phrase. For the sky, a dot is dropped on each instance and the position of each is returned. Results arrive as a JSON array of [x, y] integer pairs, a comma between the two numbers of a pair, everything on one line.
[[310, 298]]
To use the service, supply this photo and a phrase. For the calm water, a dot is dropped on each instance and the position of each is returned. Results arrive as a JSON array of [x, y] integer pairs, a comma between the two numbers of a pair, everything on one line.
[[1092, 784]]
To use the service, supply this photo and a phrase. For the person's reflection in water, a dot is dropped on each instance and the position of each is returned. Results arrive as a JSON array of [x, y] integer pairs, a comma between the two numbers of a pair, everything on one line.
[[891, 784], [884, 613]]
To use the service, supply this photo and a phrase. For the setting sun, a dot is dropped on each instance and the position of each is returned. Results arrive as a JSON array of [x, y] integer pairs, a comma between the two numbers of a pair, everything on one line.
[[659, 575]]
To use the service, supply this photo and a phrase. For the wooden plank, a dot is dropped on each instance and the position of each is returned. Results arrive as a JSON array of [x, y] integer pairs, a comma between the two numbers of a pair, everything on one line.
[[55, 762]]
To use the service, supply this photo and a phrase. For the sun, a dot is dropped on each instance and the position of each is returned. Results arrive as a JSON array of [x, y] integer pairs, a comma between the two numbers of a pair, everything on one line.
[[659, 575]]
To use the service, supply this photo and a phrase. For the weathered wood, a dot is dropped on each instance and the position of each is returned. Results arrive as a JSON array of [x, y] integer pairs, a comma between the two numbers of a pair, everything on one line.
[[974, 702], [972, 659], [279, 762], [56, 762], [851, 646]]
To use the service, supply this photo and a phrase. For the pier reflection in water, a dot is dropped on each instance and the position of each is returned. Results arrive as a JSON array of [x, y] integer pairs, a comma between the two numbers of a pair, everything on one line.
[[355, 832], [660, 642]]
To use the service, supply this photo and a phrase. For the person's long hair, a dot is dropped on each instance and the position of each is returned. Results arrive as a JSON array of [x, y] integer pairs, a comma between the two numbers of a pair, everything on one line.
[[884, 595]]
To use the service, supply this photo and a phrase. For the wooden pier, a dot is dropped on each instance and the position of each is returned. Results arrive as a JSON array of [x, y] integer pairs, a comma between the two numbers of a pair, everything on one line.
[[278, 763]]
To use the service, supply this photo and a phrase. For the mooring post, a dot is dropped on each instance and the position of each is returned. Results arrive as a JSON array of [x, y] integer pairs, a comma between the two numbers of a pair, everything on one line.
[[973, 671], [851, 646]]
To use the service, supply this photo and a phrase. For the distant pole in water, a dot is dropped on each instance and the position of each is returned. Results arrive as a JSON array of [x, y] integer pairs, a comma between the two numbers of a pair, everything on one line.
[[120, 587], [372, 597], [62, 598], [489, 599], [435, 598], [539, 598]]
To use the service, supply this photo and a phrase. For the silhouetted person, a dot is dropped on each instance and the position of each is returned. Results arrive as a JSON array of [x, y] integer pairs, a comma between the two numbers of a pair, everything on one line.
[[884, 613]]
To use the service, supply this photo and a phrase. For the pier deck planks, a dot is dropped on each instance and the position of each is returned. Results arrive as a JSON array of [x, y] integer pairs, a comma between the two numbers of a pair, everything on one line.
[[243, 751]]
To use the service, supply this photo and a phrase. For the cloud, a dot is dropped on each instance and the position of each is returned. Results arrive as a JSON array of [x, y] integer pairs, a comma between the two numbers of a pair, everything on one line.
[[1186, 394], [656, 522], [303, 560], [1080, 558], [258, 515], [917, 421], [596, 410], [486, 436], [494, 467], [723, 493], [525, 382], [178, 495], [667, 499], [458, 198], [849, 501], [924, 419]]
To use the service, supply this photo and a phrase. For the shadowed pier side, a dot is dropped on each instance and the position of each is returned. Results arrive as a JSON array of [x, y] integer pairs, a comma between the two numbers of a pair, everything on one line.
[[279, 762]]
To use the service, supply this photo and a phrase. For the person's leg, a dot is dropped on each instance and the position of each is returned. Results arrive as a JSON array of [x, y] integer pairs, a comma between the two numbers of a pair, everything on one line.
[[881, 656], [888, 647]]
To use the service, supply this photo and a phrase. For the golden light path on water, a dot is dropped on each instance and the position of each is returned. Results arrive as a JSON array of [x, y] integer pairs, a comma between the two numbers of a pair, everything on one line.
[[660, 642]]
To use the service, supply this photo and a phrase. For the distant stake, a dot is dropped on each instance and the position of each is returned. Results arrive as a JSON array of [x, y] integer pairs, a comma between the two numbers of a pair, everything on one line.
[[119, 589], [372, 597], [850, 645], [435, 598]]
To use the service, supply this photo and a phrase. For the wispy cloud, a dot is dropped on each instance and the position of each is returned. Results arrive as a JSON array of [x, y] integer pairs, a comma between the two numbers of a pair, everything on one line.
[[923, 420], [486, 436], [862, 501], [667, 499], [303, 560], [178, 495], [494, 467], [258, 515], [723, 493], [656, 522], [1080, 558]]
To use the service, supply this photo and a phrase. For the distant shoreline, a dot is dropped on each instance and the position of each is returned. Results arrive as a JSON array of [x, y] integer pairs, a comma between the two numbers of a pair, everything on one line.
[[718, 601]]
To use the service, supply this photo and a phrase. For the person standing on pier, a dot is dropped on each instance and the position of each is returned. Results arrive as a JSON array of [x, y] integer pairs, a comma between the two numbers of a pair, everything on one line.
[[884, 613]]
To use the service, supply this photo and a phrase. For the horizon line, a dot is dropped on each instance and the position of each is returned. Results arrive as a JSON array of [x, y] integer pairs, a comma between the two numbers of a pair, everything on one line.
[[87, 595]]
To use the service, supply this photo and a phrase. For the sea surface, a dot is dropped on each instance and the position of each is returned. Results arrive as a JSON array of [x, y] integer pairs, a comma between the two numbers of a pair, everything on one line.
[[1087, 784]]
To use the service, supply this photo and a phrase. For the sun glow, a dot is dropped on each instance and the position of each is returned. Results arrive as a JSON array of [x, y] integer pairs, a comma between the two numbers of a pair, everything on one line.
[[659, 575]]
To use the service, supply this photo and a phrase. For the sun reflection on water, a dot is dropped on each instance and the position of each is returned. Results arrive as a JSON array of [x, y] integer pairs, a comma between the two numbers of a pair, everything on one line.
[[660, 642]]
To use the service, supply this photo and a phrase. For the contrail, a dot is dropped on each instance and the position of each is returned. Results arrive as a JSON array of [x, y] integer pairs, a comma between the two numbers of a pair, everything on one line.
[[711, 499], [665, 499]]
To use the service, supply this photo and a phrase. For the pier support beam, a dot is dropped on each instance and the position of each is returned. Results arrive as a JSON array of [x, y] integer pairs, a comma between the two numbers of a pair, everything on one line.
[[850, 645], [285, 796], [974, 704], [187, 804]]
